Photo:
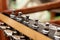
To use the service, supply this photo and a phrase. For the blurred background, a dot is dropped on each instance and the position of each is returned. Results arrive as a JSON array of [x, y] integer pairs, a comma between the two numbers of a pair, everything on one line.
[[43, 16]]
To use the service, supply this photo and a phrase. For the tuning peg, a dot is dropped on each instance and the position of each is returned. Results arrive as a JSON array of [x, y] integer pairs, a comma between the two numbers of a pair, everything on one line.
[[3, 27], [52, 31], [8, 32], [1, 23], [16, 37], [12, 15], [57, 34], [20, 14]]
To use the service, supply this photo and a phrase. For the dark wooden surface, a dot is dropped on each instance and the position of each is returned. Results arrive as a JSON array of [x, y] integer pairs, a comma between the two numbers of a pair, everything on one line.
[[55, 22], [2, 36], [3, 5]]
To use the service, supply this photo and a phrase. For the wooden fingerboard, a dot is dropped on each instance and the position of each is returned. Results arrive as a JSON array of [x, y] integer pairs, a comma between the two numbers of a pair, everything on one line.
[[23, 29]]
